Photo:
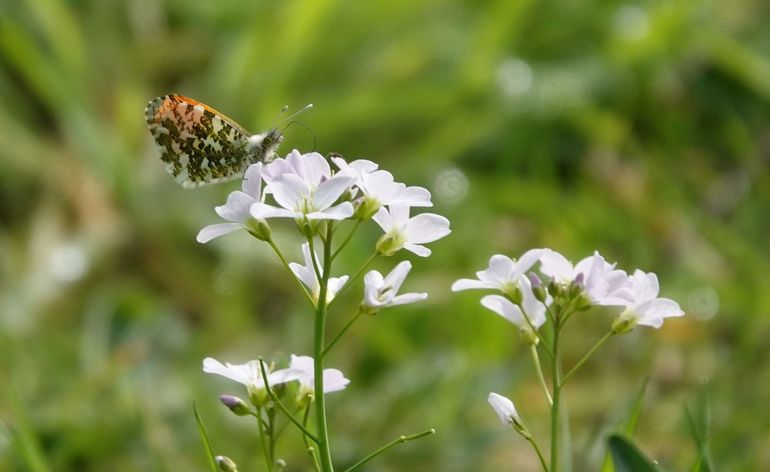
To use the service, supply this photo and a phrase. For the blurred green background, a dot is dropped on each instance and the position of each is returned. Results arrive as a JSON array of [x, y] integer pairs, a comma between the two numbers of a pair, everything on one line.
[[638, 129]]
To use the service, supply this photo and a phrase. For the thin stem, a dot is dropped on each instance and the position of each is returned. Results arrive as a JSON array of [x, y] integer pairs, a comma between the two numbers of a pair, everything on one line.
[[399, 440], [538, 452], [585, 358], [539, 369], [342, 331], [313, 258], [282, 407], [347, 239], [310, 449], [324, 449], [286, 264], [556, 383], [355, 276], [265, 449], [271, 433]]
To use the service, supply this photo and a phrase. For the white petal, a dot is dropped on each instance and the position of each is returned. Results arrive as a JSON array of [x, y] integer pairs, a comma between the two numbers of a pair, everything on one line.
[[645, 286], [426, 227], [314, 169], [334, 381], [526, 261], [505, 308], [405, 298], [398, 275], [383, 218], [504, 408], [500, 270], [421, 251], [556, 266], [264, 211], [470, 284], [338, 212], [252, 181], [329, 191], [289, 191], [414, 197], [236, 209], [214, 231], [236, 373]]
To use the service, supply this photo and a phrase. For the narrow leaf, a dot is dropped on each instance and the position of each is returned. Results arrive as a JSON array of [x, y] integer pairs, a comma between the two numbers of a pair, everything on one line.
[[627, 457], [205, 439]]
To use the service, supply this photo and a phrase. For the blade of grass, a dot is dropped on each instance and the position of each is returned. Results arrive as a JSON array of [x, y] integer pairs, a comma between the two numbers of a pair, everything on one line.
[[205, 439]]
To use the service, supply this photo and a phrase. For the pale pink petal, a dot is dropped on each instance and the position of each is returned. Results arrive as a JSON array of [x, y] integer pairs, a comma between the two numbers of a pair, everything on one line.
[[214, 231]]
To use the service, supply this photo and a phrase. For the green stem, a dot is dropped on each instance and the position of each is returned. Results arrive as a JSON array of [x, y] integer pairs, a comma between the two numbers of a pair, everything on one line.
[[556, 382], [286, 264], [310, 449], [535, 330], [342, 331], [282, 407], [312, 256], [324, 450], [347, 239], [585, 358], [265, 449], [538, 452], [399, 440], [539, 370]]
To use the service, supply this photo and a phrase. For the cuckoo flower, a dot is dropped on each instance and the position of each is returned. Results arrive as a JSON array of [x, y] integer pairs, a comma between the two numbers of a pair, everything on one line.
[[401, 231], [382, 292], [645, 307], [307, 275], [304, 187]]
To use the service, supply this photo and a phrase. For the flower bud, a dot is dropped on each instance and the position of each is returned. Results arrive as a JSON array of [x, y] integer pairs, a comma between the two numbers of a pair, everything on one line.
[[577, 286], [537, 287], [235, 404], [258, 228], [225, 464], [554, 289]]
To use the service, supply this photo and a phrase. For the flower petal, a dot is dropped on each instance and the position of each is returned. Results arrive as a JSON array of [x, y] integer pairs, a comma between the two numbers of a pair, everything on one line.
[[264, 211], [329, 191], [337, 212], [216, 230], [470, 284], [421, 251], [426, 227]]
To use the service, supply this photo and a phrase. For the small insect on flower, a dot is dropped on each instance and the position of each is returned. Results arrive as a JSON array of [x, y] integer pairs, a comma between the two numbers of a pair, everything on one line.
[[201, 146]]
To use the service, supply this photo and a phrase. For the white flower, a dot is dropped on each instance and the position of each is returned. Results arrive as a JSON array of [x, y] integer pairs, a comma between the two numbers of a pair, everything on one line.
[[645, 308], [304, 187], [306, 273], [504, 408], [379, 187], [603, 284], [503, 273], [236, 209], [533, 310], [302, 367], [248, 374], [382, 292], [409, 233]]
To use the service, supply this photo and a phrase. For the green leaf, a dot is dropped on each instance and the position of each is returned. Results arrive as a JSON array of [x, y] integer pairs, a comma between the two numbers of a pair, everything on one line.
[[629, 425], [205, 439], [627, 457]]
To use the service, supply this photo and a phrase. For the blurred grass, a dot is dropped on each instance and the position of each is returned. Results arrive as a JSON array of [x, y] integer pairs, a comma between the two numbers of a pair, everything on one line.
[[639, 129]]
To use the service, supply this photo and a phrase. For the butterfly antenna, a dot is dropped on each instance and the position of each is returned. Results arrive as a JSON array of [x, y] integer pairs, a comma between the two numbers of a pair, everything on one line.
[[293, 115], [315, 140], [278, 116]]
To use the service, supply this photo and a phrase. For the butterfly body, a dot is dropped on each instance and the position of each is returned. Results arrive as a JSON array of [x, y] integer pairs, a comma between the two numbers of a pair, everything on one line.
[[200, 145]]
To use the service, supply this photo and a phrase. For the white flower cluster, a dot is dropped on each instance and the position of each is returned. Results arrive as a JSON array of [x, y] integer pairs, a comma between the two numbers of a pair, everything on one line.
[[526, 295], [303, 187], [300, 369]]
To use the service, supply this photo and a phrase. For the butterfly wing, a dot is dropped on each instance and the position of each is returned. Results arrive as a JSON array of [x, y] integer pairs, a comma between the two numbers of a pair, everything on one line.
[[198, 144]]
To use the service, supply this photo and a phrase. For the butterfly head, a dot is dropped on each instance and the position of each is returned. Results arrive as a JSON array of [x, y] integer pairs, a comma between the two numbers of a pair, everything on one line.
[[262, 146]]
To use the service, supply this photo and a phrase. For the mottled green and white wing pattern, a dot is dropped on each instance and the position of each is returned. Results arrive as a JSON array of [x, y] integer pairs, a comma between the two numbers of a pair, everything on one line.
[[198, 144]]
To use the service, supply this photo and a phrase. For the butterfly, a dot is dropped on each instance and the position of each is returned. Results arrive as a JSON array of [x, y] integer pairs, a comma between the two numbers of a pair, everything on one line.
[[202, 146]]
